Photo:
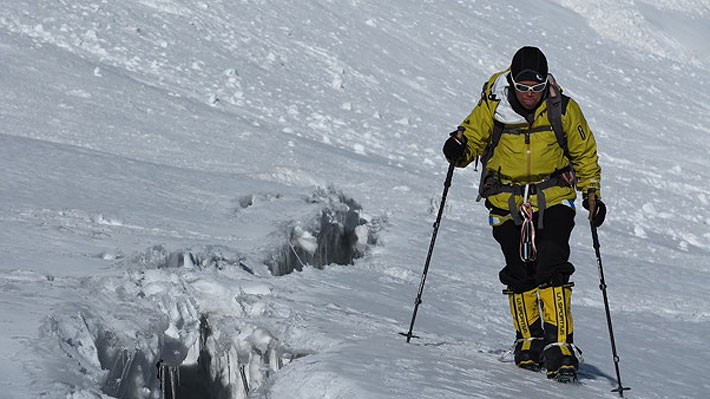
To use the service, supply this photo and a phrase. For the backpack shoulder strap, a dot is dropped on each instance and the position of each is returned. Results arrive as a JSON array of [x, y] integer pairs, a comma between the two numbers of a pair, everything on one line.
[[496, 133], [554, 113], [493, 141], [484, 187]]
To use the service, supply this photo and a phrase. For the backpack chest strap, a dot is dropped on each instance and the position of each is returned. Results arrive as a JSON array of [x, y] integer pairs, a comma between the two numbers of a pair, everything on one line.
[[555, 179]]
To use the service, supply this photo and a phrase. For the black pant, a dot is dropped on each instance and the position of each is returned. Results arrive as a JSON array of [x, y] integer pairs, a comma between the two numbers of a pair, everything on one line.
[[552, 264]]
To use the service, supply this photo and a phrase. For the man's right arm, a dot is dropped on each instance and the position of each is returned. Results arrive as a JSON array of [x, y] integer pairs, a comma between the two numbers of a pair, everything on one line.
[[474, 131]]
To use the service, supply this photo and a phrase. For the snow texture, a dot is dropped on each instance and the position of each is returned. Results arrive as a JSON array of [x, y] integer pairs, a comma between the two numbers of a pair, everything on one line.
[[235, 198]]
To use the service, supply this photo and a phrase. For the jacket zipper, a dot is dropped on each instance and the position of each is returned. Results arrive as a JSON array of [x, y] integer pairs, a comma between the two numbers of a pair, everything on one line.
[[529, 154]]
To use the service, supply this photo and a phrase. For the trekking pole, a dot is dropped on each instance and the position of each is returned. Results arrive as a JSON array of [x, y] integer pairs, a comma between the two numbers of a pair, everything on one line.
[[418, 301], [602, 286]]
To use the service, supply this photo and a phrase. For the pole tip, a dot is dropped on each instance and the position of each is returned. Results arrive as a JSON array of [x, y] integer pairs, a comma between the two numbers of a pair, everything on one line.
[[409, 335]]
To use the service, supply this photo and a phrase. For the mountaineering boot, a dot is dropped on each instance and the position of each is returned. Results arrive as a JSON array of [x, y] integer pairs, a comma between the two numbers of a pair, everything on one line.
[[559, 352], [528, 329]]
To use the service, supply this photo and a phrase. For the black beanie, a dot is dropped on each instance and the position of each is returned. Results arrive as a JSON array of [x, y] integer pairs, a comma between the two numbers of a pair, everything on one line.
[[529, 63]]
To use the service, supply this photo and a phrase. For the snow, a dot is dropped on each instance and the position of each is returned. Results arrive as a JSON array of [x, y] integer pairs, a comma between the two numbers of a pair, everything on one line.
[[160, 159]]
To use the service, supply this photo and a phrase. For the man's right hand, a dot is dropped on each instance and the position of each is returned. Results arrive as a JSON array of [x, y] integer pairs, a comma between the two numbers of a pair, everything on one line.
[[455, 145]]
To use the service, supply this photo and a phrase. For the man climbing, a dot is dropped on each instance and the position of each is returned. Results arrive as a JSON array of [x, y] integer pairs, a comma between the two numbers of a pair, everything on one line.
[[535, 147]]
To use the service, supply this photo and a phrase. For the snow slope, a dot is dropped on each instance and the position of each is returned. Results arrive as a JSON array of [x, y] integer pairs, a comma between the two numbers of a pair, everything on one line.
[[159, 158]]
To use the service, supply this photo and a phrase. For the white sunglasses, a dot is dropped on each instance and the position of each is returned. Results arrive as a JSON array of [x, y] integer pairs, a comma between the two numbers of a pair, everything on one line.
[[526, 88]]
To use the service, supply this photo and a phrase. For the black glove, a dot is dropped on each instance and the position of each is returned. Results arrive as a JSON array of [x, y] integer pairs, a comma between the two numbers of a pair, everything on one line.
[[453, 147], [597, 218]]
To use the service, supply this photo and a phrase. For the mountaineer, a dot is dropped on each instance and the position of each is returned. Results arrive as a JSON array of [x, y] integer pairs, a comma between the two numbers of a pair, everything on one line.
[[535, 148]]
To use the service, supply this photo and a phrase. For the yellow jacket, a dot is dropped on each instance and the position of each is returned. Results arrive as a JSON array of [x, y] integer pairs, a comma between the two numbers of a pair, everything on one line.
[[529, 158]]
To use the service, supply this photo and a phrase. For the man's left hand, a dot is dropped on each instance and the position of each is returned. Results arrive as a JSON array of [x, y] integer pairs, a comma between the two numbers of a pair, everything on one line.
[[596, 208]]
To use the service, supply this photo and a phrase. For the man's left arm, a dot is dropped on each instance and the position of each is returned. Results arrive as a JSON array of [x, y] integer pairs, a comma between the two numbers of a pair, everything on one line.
[[582, 148], [583, 151]]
